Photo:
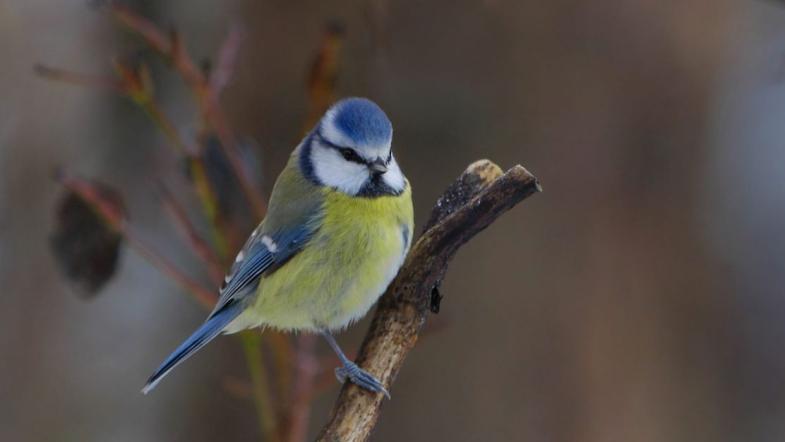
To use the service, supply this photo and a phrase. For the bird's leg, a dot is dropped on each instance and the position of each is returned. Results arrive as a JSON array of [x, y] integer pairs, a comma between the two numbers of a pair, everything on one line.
[[350, 370]]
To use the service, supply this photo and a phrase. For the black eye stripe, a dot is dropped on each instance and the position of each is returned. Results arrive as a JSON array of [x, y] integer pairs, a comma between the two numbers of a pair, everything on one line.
[[348, 153]]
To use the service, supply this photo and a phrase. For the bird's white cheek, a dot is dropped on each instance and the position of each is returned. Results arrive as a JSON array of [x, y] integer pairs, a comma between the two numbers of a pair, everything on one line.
[[394, 177], [333, 171]]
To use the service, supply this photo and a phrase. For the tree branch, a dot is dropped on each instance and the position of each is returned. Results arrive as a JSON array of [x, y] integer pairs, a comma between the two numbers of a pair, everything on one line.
[[479, 196]]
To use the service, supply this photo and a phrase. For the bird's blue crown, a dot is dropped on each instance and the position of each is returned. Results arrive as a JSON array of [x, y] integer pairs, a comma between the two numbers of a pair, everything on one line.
[[362, 121]]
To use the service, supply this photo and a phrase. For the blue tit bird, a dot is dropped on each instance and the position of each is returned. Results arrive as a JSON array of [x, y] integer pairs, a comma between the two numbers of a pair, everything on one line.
[[338, 226]]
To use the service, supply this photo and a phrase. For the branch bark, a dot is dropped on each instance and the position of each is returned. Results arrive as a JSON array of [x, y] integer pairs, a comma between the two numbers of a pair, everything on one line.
[[476, 199]]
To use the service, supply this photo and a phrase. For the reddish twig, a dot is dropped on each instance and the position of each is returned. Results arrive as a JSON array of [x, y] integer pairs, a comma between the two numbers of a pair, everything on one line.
[[204, 296], [170, 46], [77, 78], [307, 367], [221, 74], [198, 244]]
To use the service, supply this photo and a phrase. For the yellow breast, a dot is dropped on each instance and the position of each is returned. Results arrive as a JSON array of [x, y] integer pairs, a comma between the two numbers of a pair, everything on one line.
[[347, 265]]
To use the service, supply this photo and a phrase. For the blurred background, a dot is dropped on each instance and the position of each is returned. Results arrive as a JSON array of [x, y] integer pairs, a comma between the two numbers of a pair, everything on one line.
[[638, 298]]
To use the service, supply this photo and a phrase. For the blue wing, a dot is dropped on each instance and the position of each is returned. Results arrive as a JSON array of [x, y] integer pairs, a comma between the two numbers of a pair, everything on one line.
[[262, 253]]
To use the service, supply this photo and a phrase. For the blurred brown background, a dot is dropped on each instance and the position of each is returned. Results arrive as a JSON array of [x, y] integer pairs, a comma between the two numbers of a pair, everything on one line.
[[639, 298]]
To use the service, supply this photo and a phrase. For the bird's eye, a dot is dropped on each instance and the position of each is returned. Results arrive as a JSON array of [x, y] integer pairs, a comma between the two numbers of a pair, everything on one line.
[[350, 155]]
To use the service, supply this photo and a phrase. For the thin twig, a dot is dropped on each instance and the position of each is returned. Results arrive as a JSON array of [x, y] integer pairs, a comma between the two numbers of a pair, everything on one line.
[[221, 75], [307, 367], [204, 296], [80, 79], [281, 349], [261, 389], [198, 244], [171, 47], [471, 204]]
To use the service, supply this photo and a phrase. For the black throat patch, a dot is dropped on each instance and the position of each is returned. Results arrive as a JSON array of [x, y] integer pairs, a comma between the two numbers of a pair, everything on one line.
[[376, 187]]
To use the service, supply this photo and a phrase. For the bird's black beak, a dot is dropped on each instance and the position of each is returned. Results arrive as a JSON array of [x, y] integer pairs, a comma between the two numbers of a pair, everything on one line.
[[378, 167]]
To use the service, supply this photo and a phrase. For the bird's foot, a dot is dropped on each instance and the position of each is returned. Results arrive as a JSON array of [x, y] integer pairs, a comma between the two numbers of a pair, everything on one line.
[[360, 377]]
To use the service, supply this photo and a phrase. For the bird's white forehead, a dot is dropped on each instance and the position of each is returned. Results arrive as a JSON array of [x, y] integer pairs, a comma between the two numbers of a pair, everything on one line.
[[330, 131]]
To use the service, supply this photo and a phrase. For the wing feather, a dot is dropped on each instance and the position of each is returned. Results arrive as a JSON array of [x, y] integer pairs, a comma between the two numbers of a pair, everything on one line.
[[257, 258], [294, 214]]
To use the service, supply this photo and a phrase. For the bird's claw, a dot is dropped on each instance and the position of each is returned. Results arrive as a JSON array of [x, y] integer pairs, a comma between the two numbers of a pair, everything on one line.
[[360, 377]]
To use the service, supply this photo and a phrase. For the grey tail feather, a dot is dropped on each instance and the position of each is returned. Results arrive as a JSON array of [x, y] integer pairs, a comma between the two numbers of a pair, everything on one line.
[[204, 334]]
